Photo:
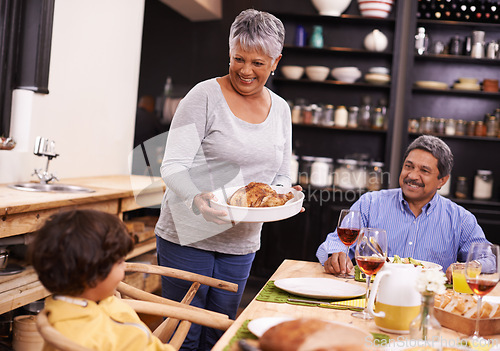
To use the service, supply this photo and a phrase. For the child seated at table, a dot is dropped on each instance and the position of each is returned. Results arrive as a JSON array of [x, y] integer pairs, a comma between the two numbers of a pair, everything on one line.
[[79, 257]]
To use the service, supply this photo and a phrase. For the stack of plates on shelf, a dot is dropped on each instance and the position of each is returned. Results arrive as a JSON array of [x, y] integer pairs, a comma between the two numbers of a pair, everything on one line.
[[467, 84], [431, 84], [377, 78]]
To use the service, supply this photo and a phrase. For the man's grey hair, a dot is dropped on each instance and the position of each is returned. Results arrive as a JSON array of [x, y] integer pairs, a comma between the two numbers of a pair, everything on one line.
[[437, 148], [257, 30]]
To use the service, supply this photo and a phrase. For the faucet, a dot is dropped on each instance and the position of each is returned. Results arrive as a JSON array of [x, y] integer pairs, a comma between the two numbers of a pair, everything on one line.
[[45, 148]]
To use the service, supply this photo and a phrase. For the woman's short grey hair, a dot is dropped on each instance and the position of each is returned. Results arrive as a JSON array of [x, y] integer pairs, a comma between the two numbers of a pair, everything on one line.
[[437, 148], [259, 30]]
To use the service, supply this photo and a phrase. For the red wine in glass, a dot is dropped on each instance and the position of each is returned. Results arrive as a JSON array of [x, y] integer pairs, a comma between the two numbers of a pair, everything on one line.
[[370, 265], [347, 235]]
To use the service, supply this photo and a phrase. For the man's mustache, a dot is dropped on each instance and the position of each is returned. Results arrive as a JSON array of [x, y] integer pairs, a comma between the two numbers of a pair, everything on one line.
[[413, 182]]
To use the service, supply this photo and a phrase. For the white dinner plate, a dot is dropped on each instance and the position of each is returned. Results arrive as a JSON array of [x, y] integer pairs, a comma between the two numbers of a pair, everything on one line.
[[320, 288], [427, 265], [259, 326], [258, 214], [344, 332]]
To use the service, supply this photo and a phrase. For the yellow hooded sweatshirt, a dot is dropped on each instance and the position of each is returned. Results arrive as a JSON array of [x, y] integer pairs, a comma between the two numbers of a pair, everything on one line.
[[110, 325]]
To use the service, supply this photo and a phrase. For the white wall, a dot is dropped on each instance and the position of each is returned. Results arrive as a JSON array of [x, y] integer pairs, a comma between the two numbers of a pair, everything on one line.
[[93, 81]]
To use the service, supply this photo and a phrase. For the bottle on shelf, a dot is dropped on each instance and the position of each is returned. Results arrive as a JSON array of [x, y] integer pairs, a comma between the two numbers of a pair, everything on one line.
[[364, 115], [341, 116], [317, 37], [421, 41]]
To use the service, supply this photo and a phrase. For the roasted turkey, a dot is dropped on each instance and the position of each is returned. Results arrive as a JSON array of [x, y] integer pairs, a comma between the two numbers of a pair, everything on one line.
[[258, 195]]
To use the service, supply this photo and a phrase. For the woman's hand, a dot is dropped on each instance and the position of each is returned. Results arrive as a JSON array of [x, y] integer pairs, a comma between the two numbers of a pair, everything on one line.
[[202, 203], [299, 188]]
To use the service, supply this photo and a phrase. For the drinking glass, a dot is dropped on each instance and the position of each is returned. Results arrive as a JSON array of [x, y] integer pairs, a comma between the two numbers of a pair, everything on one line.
[[371, 254], [348, 230], [482, 274]]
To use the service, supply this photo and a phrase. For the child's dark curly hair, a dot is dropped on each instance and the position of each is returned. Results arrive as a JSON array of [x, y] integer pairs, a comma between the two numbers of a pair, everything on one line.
[[76, 249]]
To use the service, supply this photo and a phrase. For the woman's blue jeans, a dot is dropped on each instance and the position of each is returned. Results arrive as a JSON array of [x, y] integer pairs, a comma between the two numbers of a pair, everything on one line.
[[231, 268]]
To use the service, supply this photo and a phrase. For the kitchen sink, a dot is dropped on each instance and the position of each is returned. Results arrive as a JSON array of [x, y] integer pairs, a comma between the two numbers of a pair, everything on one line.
[[48, 187]]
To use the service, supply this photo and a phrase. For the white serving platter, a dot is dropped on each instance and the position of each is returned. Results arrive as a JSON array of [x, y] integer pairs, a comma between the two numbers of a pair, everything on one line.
[[320, 288]]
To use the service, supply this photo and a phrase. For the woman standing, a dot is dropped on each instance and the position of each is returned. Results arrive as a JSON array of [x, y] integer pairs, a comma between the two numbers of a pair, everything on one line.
[[227, 132]]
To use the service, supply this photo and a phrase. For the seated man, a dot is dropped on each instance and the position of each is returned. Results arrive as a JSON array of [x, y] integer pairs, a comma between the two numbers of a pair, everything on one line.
[[79, 257], [419, 222]]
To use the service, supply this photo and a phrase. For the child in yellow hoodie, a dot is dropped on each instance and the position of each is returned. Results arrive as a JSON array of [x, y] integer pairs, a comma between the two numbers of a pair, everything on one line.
[[79, 257]]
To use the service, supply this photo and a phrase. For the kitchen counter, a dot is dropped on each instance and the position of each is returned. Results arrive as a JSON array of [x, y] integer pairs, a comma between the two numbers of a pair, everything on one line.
[[22, 212]]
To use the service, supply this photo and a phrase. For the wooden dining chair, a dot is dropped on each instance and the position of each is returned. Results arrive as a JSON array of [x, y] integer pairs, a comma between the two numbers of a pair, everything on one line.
[[180, 315]]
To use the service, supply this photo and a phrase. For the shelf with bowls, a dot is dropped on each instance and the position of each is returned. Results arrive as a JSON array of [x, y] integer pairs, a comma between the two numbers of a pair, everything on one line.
[[338, 50], [329, 82], [460, 59], [457, 92]]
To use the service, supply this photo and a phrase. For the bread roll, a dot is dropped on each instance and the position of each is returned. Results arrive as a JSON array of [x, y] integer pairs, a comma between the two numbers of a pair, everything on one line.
[[309, 334]]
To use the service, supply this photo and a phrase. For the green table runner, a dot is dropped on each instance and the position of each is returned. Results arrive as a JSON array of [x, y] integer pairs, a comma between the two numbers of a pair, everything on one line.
[[270, 293]]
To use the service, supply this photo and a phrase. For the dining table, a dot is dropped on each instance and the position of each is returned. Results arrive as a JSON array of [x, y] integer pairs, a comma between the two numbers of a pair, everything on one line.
[[258, 308]]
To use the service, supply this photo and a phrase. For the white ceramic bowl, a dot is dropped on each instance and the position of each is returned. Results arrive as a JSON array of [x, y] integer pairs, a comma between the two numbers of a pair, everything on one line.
[[317, 73], [374, 8], [258, 214], [346, 74], [331, 7], [377, 78], [292, 72], [379, 70]]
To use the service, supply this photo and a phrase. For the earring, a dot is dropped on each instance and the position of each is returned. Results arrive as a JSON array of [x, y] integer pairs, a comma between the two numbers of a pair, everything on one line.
[[272, 73], [229, 64]]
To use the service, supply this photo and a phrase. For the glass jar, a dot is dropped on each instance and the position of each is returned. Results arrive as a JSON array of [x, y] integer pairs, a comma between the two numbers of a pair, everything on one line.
[[378, 118], [322, 172], [460, 127], [462, 188], [445, 189], [480, 129], [440, 126], [294, 169], [328, 116], [317, 115], [350, 175], [491, 126], [352, 117], [413, 125], [341, 117], [296, 114], [375, 176], [425, 326], [426, 125], [305, 170], [483, 185], [450, 127], [307, 115], [471, 128]]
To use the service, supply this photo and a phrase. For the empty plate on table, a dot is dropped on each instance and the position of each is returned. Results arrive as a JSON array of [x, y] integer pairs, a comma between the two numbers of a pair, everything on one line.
[[259, 326], [320, 288], [431, 84], [258, 214]]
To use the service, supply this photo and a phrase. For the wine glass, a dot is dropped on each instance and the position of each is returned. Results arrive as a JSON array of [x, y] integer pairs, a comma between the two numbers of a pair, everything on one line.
[[482, 274], [371, 254], [348, 230]]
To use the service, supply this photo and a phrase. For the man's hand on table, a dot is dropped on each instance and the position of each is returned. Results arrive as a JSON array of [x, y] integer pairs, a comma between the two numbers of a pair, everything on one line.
[[336, 264]]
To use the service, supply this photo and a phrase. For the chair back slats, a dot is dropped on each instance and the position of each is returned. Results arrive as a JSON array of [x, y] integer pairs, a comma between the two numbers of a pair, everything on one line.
[[180, 274], [201, 317]]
